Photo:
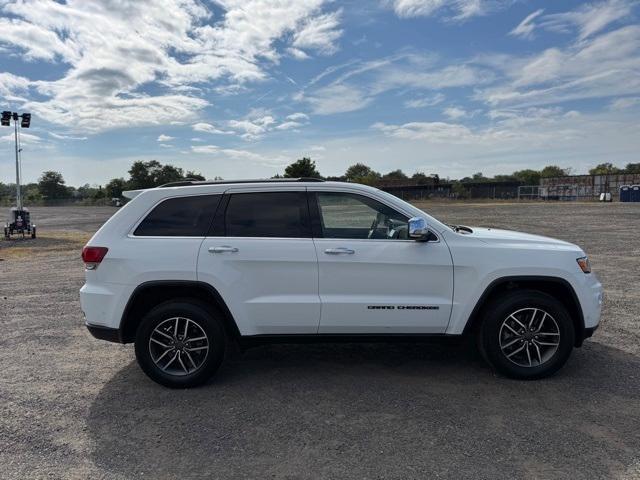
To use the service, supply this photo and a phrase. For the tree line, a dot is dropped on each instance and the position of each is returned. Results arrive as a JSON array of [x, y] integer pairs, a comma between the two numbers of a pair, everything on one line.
[[148, 174]]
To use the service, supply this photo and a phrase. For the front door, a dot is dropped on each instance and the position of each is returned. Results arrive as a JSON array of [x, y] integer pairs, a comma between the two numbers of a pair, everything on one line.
[[262, 260], [372, 277]]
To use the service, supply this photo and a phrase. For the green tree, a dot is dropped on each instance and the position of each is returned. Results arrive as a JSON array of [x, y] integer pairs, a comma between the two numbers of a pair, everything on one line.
[[459, 191], [167, 174], [31, 192], [553, 171], [361, 173], [114, 188], [51, 185], [194, 175], [359, 170], [302, 168], [504, 178], [98, 193], [528, 176], [87, 191], [420, 178], [604, 169], [152, 173], [395, 175], [632, 168]]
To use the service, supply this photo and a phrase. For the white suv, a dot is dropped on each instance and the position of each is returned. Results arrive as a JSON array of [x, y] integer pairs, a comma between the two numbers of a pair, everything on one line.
[[184, 269]]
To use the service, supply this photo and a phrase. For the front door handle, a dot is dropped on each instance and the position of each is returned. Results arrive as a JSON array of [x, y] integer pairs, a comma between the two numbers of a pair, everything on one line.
[[223, 249], [339, 251]]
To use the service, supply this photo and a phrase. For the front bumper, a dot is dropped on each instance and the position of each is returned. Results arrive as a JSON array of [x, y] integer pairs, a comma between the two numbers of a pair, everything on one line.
[[588, 332]]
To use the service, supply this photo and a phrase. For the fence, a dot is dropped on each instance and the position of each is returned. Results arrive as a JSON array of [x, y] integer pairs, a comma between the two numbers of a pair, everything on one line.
[[587, 187]]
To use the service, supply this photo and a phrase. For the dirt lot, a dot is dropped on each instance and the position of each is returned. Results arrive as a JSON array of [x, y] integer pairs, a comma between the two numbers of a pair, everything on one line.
[[75, 407]]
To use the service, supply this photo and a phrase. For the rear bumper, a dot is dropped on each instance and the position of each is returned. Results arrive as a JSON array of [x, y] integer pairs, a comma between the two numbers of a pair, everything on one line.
[[105, 333], [103, 304]]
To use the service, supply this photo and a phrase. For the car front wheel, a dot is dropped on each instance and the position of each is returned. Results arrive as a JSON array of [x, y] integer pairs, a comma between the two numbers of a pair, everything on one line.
[[180, 344], [526, 335]]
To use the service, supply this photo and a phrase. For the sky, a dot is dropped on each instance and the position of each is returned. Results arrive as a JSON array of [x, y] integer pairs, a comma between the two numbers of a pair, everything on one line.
[[241, 88]]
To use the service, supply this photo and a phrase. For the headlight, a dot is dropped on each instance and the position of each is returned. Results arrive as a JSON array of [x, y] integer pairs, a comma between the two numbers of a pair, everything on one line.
[[584, 264]]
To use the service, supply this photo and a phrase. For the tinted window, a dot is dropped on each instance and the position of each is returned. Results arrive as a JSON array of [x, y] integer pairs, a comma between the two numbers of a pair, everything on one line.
[[277, 214], [345, 215], [180, 217]]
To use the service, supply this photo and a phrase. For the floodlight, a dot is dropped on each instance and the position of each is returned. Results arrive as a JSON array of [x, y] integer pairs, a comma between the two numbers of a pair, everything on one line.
[[26, 120], [6, 119]]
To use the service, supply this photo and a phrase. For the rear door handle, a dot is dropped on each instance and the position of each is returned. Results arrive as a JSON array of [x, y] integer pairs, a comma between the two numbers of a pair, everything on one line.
[[223, 249], [339, 251]]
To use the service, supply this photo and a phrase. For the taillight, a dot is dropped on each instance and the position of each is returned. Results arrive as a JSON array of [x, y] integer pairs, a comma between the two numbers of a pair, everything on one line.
[[92, 256]]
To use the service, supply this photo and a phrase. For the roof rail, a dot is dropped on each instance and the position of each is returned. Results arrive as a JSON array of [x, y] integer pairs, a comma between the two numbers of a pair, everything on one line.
[[188, 182]]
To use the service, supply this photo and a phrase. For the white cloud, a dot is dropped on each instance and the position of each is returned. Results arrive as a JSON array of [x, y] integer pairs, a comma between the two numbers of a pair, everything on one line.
[[11, 84], [242, 155], [205, 148], [297, 53], [431, 131], [253, 126], [455, 113], [60, 136], [209, 128], [624, 103], [526, 27], [422, 102], [111, 51], [600, 66], [319, 33], [165, 138], [165, 145], [288, 125], [450, 9], [588, 19], [25, 138], [336, 99], [298, 116], [357, 84]]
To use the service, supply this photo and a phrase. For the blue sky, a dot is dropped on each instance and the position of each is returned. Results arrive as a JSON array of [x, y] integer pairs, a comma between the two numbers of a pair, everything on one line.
[[240, 88]]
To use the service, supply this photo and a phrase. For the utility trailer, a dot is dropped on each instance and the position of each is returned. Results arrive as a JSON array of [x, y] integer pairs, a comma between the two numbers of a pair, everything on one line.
[[19, 223]]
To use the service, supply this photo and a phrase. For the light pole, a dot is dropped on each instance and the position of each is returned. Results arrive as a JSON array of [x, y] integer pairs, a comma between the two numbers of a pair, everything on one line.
[[25, 122]]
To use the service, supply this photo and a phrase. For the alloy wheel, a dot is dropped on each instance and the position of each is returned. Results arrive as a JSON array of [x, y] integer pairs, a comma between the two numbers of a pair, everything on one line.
[[178, 346], [529, 337]]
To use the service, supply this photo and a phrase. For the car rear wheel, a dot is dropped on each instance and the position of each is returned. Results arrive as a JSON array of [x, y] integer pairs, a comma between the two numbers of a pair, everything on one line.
[[526, 335], [180, 344]]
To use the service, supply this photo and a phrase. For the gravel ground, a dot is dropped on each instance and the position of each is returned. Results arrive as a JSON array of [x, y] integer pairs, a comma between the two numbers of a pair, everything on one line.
[[75, 407]]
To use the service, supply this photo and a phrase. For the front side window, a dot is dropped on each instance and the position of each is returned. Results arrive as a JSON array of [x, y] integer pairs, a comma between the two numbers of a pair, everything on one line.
[[347, 215], [267, 214], [180, 217]]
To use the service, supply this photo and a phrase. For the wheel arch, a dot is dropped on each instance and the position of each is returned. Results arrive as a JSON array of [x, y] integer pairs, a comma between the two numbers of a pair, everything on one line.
[[149, 294], [557, 287]]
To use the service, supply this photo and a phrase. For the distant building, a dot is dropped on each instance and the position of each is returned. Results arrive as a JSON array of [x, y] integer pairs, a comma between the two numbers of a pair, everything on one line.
[[586, 187]]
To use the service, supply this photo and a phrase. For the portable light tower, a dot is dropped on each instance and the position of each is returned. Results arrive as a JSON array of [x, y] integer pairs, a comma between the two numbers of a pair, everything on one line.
[[25, 122]]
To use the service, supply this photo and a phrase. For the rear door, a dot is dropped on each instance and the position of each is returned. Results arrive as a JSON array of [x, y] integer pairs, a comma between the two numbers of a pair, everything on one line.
[[372, 278], [261, 258]]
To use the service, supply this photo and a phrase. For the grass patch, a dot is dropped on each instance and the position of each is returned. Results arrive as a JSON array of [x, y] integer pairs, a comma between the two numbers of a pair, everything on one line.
[[51, 242]]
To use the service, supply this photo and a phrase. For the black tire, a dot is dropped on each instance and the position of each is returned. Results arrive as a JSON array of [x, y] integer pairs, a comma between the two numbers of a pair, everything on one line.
[[492, 331], [33, 232], [206, 322]]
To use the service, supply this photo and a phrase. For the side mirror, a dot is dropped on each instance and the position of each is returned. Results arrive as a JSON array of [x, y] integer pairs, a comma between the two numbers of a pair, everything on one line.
[[418, 229]]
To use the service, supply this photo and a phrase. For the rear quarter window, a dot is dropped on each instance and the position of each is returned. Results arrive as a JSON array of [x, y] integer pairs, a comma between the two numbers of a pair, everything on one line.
[[180, 217]]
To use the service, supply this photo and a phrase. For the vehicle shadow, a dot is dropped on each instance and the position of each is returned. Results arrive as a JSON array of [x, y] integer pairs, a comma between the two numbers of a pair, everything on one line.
[[374, 411]]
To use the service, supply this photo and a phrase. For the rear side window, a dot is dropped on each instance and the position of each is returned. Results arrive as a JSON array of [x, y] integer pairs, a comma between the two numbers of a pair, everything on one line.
[[268, 214], [180, 217]]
